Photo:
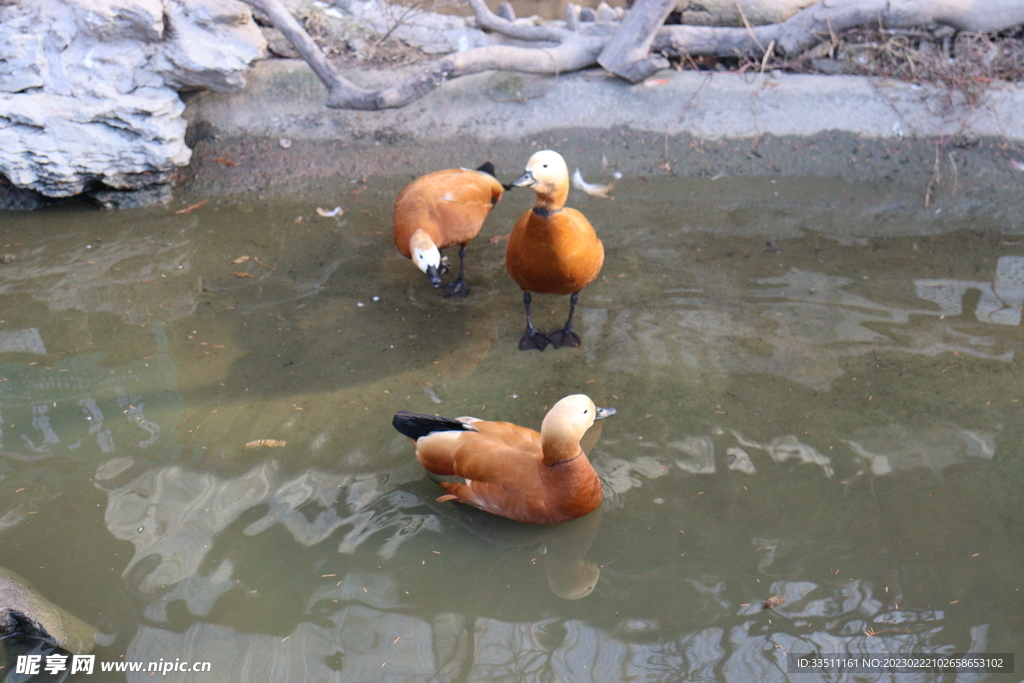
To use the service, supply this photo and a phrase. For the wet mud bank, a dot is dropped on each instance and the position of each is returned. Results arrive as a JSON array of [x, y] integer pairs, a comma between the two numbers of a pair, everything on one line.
[[277, 137]]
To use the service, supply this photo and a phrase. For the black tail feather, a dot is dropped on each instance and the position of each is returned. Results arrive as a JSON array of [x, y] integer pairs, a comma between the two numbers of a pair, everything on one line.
[[416, 425], [486, 167]]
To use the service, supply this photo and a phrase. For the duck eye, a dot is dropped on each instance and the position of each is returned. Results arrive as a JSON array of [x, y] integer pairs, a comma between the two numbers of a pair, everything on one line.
[[545, 165]]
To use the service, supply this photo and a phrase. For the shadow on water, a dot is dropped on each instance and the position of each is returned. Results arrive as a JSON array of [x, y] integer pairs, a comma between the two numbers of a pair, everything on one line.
[[818, 394]]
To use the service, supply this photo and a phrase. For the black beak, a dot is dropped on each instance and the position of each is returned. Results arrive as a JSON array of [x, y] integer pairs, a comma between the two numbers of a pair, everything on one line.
[[602, 413], [433, 276], [525, 180]]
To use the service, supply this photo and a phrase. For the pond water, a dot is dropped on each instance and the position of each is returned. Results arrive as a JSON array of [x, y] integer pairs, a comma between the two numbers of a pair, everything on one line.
[[819, 399]]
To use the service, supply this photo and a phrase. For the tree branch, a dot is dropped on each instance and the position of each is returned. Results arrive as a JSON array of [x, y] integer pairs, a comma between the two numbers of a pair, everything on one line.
[[571, 52], [341, 92], [488, 20], [628, 53], [810, 26]]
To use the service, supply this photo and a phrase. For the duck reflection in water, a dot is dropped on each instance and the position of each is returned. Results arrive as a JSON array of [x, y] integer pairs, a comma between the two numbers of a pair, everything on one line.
[[563, 547]]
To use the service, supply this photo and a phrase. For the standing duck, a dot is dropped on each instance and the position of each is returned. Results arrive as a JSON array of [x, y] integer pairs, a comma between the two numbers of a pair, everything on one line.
[[510, 470], [440, 210], [552, 249]]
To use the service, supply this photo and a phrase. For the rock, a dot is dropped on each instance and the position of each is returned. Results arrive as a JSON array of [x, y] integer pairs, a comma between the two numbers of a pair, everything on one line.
[[210, 45], [22, 610], [364, 22], [61, 145], [89, 91], [133, 199], [829, 66], [17, 198], [278, 45]]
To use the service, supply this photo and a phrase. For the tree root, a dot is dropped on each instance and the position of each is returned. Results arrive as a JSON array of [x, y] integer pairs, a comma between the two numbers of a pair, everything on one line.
[[631, 49]]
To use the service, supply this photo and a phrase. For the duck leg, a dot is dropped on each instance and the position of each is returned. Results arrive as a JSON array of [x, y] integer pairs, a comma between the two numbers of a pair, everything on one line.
[[532, 339], [457, 287], [565, 336]]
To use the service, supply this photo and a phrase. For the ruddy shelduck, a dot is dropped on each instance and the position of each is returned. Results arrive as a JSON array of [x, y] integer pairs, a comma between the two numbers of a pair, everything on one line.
[[552, 249], [440, 210], [510, 470]]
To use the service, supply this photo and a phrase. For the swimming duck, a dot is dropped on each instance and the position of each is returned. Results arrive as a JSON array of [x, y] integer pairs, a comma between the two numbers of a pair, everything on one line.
[[440, 210], [552, 249], [510, 470]]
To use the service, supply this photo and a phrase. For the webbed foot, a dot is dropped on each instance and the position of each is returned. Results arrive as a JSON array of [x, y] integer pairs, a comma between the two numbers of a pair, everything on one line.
[[456, 287], [533, 340], [564, 337]]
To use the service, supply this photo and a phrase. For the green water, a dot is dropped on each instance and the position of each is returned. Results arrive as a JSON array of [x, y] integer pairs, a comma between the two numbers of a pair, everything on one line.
[[819, 397]]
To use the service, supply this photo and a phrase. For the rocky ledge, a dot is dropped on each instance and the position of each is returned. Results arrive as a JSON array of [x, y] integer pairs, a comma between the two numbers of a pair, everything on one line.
[[89, 92]]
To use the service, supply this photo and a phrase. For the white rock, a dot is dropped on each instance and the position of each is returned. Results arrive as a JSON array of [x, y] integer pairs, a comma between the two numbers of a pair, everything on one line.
[[212, 44], [88, 99]]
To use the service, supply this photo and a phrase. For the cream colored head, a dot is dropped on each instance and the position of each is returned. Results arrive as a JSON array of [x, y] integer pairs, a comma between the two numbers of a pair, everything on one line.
[[566, 422], [426, 256], [548, 176]]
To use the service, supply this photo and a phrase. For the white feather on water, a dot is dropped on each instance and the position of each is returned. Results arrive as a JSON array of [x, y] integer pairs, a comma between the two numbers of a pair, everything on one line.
[[594, 189]]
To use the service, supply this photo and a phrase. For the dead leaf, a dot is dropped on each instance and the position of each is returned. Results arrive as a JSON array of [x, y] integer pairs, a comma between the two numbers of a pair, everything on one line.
[[243, 274], [497, 238], [240, 259], [226, 162], [774, 601], [190, 209], [269, 443]]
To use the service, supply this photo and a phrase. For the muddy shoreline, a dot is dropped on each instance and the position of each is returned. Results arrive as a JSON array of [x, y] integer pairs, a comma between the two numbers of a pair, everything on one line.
[[681, 124]]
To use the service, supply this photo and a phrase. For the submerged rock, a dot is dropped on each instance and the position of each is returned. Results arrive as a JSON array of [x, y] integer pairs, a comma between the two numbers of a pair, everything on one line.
[[89, 90], [23, 611]]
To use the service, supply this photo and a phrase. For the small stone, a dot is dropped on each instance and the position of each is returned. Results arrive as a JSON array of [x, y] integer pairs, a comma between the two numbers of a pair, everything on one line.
[[8, 258], [285, 143]]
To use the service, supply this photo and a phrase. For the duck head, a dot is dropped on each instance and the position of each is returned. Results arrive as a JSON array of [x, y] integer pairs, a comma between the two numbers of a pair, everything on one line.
[[565, 424], [426, 256], [548, 176]]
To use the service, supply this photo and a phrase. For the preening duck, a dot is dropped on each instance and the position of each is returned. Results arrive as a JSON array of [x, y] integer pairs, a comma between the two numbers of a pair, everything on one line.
[[552, 249], [440, 210], [510, 470]]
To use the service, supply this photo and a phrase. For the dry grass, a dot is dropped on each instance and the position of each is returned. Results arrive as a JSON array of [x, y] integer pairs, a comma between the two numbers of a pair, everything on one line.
[[966, 64]]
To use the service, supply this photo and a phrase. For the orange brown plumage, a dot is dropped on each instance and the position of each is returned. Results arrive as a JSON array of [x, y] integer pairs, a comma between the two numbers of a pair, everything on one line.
[[553, 249], [441, 210], [510, 470]]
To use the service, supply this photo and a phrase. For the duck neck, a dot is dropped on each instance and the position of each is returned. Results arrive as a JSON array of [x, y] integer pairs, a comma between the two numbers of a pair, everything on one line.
[[558, 450], [553, 200]]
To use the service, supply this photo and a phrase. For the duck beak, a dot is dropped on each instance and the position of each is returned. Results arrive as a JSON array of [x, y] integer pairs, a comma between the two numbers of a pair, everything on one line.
[[525, 180], [602, 413], [433, 276]]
